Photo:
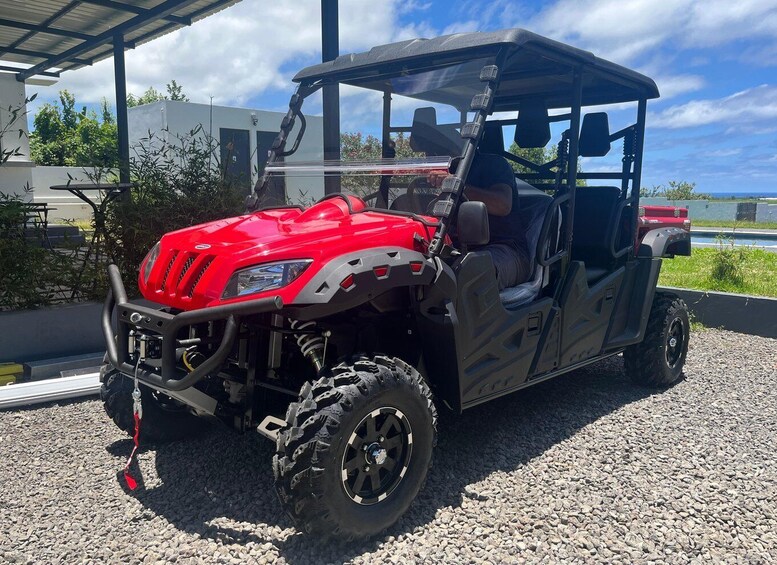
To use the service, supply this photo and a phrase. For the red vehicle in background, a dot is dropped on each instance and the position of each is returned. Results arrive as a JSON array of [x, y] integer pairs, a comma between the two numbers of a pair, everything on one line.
[[654, 217]]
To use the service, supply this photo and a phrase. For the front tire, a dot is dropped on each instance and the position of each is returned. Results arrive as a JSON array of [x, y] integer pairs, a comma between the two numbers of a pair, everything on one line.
[[163, 420], [356, 449], [658, 361]]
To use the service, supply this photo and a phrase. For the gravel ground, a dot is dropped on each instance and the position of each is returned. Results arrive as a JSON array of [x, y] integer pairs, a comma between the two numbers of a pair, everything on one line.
[[583, 468]]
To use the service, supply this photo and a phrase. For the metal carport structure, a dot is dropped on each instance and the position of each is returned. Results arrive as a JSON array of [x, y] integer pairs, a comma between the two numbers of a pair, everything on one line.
[[49, 37]]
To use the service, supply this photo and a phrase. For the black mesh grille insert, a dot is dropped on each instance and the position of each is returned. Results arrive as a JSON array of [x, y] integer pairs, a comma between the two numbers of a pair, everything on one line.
[[201, 272], [167, 271], [186, 266]]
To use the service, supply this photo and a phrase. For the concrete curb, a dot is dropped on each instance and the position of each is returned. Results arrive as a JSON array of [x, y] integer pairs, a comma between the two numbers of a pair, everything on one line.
[[756, 315]]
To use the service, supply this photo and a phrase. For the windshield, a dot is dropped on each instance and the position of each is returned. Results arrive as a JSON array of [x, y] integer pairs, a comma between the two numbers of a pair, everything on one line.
[[403, 185], [390, 162]]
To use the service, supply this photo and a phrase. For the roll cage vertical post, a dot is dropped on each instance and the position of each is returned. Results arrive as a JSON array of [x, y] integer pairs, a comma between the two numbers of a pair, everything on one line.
[[453, 185], [636, 183], [574, 137], [387, 152]]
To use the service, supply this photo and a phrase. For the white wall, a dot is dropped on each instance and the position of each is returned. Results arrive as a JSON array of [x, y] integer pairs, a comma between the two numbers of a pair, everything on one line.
[[15, 174], [182, 117], [68, 206]]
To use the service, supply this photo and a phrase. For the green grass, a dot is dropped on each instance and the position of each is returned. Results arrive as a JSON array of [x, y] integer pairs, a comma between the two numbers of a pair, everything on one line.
[[733, 224], [759, 272]]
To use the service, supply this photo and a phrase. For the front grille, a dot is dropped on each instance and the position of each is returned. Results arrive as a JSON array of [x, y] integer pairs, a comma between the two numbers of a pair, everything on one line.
[[167, 271], [186, 266], [205, 264]]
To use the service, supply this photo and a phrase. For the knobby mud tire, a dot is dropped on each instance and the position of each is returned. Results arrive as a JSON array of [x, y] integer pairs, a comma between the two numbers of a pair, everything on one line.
[[648, 363], [310, 458]]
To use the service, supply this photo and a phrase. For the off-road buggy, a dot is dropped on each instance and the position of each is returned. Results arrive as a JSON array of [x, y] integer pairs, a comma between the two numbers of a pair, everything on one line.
[[339, 330]]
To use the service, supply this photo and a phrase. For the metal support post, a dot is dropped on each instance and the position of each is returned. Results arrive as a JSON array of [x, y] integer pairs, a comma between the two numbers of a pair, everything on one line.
[[330, 49], [121, 107]]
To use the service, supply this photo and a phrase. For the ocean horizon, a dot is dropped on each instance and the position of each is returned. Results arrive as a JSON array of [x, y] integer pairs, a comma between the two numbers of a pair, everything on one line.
[[745, 194]]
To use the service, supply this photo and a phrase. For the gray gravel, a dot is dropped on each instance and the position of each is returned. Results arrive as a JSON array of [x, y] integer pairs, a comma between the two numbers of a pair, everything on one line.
[[583, 468]]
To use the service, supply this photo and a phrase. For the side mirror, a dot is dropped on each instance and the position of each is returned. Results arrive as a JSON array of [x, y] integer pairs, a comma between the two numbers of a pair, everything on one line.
[[473, 224]]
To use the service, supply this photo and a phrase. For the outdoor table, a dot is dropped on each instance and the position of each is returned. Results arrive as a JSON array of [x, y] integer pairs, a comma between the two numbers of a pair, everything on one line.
[[112, 191]]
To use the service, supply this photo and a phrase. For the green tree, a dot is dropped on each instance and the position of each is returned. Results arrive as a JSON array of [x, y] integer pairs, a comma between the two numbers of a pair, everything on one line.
[[64, 136], [356, 147], [174, 92], [674, 190]]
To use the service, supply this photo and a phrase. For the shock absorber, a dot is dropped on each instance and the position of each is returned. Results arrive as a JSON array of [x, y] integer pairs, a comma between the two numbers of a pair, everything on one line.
[[310, 343]]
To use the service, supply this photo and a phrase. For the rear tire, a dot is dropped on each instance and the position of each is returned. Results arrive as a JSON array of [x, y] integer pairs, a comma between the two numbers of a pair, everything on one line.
[[658, 361], [163, 419], [356, 449]]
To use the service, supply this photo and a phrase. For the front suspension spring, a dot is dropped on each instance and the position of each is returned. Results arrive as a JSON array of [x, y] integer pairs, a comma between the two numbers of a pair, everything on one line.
[[311, 345]]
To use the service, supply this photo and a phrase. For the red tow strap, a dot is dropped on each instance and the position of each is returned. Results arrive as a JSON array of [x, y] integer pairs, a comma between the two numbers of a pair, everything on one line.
[[137, 411], [131, 482]]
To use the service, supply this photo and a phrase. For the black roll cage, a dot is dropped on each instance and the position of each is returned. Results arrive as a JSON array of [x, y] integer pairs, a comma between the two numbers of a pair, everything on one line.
[[565, 177]]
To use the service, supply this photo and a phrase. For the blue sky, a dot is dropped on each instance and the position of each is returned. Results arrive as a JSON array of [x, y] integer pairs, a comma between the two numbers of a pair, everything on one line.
[[715, 63]]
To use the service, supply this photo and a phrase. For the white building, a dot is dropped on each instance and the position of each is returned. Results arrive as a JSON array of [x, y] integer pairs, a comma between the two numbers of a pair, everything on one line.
[[244, 136]]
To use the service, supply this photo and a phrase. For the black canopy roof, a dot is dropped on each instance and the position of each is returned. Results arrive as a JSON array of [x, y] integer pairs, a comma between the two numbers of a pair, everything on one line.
[[535, 67]]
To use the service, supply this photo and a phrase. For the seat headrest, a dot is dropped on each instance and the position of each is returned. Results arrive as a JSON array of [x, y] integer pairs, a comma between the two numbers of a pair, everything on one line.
[[492, 140], [533, 126], [427, 137], [594, 135]]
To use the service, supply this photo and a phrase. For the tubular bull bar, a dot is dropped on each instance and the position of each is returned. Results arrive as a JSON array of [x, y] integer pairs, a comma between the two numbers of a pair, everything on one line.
[[130, 316]]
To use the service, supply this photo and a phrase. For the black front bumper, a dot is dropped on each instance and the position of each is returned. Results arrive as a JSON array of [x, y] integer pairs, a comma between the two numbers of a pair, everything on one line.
[[133, 316]]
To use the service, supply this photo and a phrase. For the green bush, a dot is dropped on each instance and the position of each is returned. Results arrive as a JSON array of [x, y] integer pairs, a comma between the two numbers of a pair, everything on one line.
[[177, 183], [728, 261], [30, 276]]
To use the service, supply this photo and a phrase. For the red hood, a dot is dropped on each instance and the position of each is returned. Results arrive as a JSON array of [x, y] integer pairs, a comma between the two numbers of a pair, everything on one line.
[[194, 264]]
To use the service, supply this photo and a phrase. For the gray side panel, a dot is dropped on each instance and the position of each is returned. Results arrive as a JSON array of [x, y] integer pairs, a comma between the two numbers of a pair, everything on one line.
[[586, 313], [495, 347]]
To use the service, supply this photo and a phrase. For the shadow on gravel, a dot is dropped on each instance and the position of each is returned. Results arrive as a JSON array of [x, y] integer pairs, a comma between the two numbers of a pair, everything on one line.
[[223, 477]]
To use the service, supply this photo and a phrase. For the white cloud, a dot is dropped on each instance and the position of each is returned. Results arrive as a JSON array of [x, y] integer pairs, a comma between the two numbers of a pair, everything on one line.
[[242, 51], [671, 86], [753, 110], [623, 30]]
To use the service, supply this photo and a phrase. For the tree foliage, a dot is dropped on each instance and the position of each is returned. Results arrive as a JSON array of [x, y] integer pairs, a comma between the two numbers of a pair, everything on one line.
[[174, 92], [65, 136], [674, 190]]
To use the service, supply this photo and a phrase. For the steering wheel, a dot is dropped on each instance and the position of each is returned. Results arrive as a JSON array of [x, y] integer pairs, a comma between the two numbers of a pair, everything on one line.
[[412, 195]]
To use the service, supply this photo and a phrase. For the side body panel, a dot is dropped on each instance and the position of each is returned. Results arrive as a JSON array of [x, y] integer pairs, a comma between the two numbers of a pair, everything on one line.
[[494, 347]]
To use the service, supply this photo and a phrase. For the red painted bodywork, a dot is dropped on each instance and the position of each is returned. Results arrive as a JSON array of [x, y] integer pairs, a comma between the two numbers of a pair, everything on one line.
[[214, 251], [655, 217]]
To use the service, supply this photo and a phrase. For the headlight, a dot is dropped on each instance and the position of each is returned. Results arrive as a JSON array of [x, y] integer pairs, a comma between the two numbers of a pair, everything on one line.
[[150, 260], [264, 277]]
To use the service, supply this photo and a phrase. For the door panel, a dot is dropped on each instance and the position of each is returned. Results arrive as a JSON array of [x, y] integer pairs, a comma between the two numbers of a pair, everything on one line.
[[236, 155]]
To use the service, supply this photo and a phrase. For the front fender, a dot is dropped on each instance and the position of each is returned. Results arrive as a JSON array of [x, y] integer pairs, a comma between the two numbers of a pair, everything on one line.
[[665, 242], [355, 278]]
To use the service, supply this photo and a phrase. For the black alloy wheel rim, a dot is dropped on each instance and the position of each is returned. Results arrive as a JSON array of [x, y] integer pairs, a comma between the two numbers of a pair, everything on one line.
[[377, 456], [675, 341]]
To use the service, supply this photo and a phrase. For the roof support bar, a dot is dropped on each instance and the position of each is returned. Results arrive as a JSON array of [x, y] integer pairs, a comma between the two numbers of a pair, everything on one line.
[[38, 54], [131, 8], [45, 29], [164, 9], [121, 107], [19, 69], [330, 49]]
